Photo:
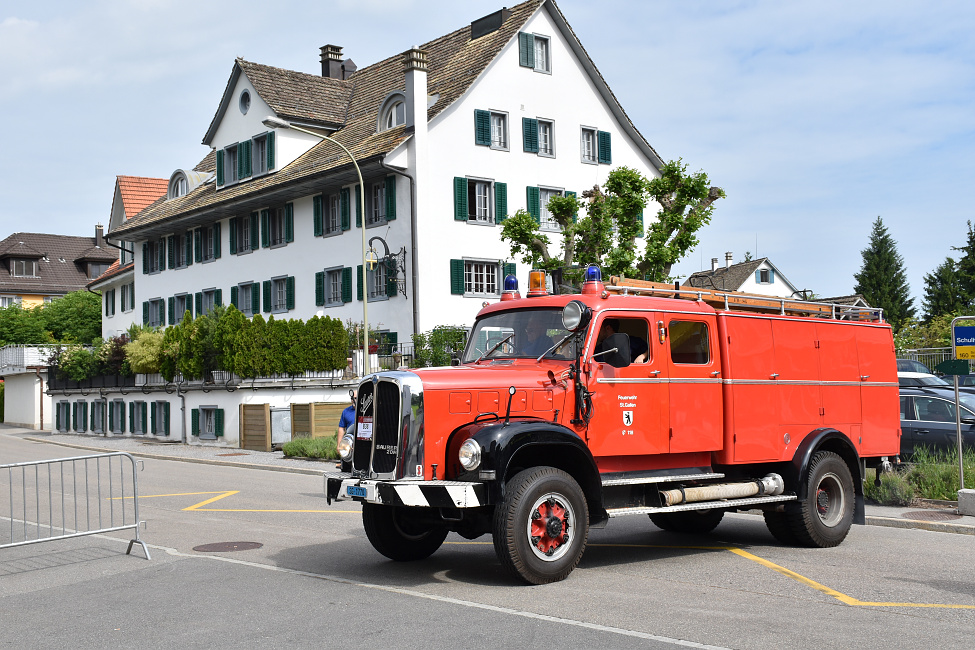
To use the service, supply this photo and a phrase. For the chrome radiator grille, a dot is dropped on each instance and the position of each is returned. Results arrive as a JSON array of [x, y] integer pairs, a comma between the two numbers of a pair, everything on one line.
[[378, 427]]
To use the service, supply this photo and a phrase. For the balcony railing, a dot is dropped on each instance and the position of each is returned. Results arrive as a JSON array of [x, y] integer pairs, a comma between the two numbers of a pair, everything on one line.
[[18, 358]]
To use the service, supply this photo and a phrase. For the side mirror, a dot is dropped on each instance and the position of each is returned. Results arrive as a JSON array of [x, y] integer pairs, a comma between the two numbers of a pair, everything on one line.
[[616, 351]]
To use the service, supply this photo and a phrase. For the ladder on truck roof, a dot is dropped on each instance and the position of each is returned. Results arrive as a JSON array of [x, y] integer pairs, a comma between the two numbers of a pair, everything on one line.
[[740, 301]]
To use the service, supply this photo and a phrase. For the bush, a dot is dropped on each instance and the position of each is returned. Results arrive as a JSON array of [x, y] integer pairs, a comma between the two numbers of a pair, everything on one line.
[[930, 475], [312, 448], [144, 351], [895, 489], [434, 348]]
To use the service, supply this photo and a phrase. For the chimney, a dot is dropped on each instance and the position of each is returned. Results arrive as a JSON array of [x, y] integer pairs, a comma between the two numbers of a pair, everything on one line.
[[99, 236], [331, 56], [348, 67], [489, 24], [714, 264], [415, 67], [727, 259]]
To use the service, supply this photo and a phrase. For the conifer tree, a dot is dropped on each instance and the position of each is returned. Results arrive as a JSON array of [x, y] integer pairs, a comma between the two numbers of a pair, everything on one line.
[[966, 268], [942, 291], [882, 280]]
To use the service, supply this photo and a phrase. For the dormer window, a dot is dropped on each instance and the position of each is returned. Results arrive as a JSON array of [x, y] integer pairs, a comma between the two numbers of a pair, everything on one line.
[[95, 269], [393, 112], [177, 186], [23, 268]]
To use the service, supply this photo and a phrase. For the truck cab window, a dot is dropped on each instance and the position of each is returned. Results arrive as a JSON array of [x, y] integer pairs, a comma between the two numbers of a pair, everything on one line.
[[635, 328], [689, 342]]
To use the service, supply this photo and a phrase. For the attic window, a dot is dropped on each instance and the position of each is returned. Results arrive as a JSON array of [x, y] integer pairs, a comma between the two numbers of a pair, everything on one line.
[[177, 186], [245, 102], [393, 112]]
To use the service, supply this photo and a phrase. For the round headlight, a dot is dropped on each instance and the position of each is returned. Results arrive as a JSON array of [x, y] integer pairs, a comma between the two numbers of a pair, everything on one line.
[[470, 455], [345, 446], [575, 316]]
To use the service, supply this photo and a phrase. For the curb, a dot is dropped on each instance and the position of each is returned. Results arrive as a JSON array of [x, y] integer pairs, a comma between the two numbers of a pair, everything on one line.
[[201, 461], [933, 526]]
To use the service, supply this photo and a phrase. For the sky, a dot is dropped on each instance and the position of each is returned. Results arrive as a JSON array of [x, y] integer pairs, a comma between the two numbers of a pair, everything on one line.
[[815, 118]]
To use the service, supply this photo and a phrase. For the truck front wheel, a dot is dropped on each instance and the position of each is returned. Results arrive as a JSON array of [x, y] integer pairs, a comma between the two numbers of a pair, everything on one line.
[[824, 518], [399, 534], [541, 527]]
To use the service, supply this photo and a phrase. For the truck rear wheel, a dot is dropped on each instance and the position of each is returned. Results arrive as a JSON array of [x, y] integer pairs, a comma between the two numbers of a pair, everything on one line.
[[695, 522], [780, 525], [541, 527], [398, 534], [824, 518]]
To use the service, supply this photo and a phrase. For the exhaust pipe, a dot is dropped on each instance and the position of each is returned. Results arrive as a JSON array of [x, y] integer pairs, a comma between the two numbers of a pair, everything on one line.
[[771, 485]]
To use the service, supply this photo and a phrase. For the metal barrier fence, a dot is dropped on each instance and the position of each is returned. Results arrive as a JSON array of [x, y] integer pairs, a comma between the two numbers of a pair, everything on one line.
[[62, 498], [930, 357]]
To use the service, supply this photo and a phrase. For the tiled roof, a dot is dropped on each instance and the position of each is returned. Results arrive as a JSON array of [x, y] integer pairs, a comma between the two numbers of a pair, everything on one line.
[[115, 270], [725, 278], [299, 95], [12, 247], [138, 192], [855, 300], [59, 271]]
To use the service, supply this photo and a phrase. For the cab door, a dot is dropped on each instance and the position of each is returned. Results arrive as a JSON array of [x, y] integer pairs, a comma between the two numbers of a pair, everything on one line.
[[694, 368], [629, 404]]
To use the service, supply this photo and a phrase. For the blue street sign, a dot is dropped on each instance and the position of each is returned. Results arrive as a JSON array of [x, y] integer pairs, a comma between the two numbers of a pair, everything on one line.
[[964, 342]]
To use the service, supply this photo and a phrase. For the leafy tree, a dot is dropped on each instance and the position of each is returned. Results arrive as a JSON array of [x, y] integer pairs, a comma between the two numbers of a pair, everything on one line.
[[74, 318], [144, 351], [915, 334], [434, 348], [942, 291], [19, 326], [882, 280], [686, 205], [966, 267]]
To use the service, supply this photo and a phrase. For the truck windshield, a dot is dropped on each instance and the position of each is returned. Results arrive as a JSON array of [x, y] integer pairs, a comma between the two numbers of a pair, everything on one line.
[[531, 332]]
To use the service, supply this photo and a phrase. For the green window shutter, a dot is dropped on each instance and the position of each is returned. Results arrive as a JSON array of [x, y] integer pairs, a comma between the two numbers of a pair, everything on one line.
[[111, 416], [255, 300], [317, 218], [152, 420], [216, 240], [132, 417], [270, 150], [347, 284], [234, 296], [198, 244], [482, 127], [289, 285], [232, 224], [218, 297], [575, 215], [188, 254], [172, 310], [198, 298], [91, 417], [392, 286], [248, 164], [390, 198], [218, 422], [144, 414], [289, 222], [219, 167], [534, 204], [358, 206], [255, 230], [457, 277], [240, 160], [145, 259], [265, 228], [500, 202], [171, 250], [344, 208], [162, 311], [74, 416], [605, 148], [57, 418], [145, 312], [121, 413], [526, 50], [320, 288], [189, 307], [510, 268], [266, 286], [460, 198], [195, 422], [166, 418], [529, 133], [358, 282]]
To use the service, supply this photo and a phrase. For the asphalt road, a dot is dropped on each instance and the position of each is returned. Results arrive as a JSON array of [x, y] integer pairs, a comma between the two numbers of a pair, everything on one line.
[[316, 581]]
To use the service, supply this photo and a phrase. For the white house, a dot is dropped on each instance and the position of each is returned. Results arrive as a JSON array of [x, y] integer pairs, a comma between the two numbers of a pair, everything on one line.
[[753, 276], [450, 138]]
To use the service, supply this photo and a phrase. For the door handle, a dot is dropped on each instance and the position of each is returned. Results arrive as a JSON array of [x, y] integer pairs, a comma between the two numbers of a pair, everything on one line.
[[774, 375], [715, 373], [654, 372], [922, 432], [864, 377]]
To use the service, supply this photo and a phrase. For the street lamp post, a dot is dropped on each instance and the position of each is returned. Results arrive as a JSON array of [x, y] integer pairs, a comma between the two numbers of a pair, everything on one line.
[[275, 122]]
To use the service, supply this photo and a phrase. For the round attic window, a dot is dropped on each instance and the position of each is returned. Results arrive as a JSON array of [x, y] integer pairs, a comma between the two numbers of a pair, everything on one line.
[[245, 102]]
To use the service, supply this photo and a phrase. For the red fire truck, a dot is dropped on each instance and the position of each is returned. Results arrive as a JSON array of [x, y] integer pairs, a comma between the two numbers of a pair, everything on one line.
[[566, 411]]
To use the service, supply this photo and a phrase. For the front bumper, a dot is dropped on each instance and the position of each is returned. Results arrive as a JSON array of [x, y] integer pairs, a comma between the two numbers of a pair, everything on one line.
[[418, 494]]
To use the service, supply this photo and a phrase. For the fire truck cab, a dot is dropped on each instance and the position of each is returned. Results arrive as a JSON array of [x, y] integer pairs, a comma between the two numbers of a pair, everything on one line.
[[638, 399]]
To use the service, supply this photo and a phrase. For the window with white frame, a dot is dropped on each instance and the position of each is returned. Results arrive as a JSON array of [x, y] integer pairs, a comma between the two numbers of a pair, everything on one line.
[[208, 243], [333, 221], [479, 201], [764, 276], [127, 255], [377, 209], [259, 154], [588, 145], [499, 130], [279, 294], [6, 301], [155, 255], [117, 416], [156, 312], [481, 278], [180, 255], [394, 115], [128, 296], [23, 268], [208, 423], [209, 300], [543, 58], [245, 298], [333, 287], [546, 220], [277, 227], [243, 234], [230, 165], [181, 303], [377, 281], [177, 187], [546, 138]]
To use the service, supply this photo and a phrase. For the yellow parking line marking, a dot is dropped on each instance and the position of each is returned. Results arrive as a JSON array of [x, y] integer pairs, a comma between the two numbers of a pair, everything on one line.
[[153, 496], [222, 495]]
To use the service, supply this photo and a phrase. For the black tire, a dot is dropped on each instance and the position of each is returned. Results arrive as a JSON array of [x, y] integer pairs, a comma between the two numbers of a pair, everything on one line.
[[548, 501], [779, 524], [396, 533], [824, 518], [694, 522]]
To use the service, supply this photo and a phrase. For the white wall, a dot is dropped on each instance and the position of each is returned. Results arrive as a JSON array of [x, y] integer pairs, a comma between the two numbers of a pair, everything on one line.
[[120, 321], [780, 287], [22, 400]]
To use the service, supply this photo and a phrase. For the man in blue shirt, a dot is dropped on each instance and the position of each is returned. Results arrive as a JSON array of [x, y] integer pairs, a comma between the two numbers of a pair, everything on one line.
[[345, 422]]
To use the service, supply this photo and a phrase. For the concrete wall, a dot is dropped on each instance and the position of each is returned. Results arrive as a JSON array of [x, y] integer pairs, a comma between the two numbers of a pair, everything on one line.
[[23, 400]]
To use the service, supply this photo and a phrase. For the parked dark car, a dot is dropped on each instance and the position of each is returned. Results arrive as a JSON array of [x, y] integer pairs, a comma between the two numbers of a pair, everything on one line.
[[928, 419], [910, 365]]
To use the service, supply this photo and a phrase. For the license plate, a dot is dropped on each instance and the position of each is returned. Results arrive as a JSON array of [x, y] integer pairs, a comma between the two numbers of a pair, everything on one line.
[[355, 491]]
